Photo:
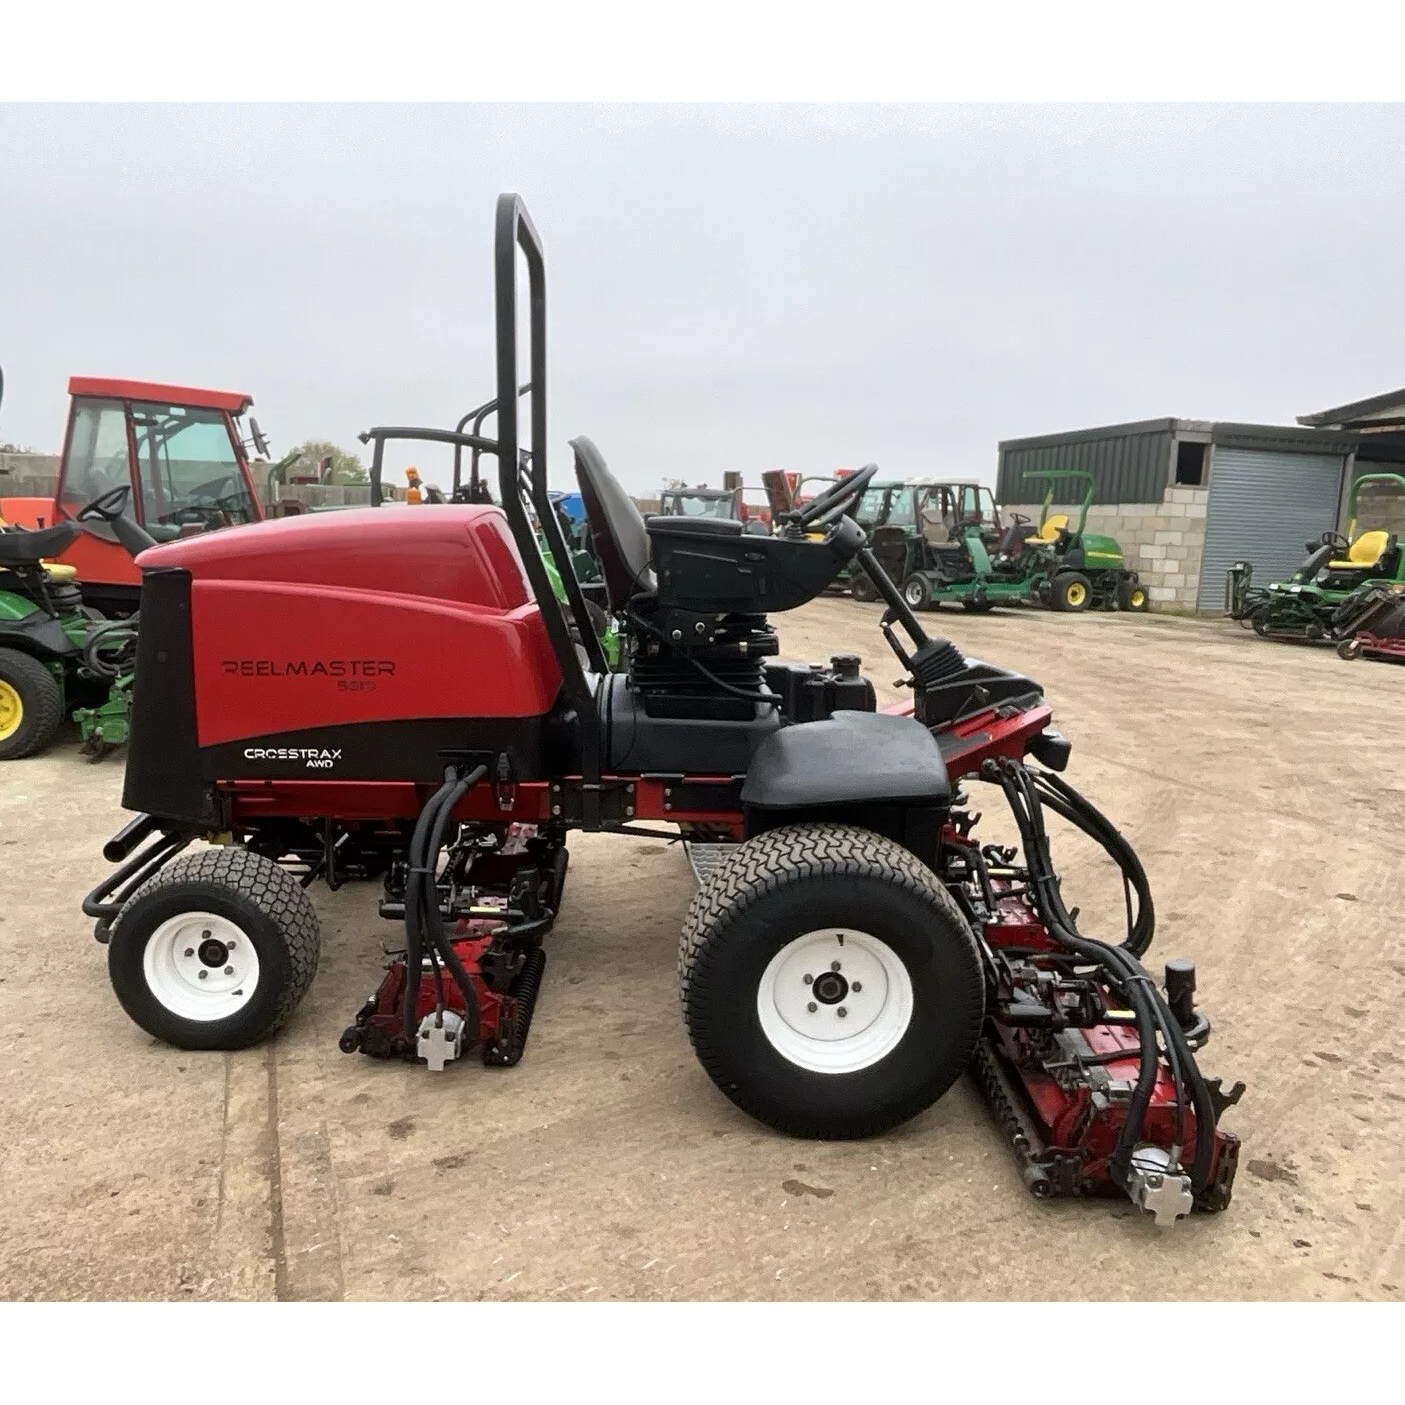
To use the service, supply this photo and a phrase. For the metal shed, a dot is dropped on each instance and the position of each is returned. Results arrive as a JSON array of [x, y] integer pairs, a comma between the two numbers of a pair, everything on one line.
[[1188, 498]]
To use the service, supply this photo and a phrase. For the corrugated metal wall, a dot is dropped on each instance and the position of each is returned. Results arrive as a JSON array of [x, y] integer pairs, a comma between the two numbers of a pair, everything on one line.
[[1263, 508], [1127, 467]]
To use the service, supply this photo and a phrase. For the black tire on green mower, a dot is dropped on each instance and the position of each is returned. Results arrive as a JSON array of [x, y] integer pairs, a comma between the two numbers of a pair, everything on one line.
[[1132, 595], [917, 592], [983, 606], [215, 951], [830, 985], [1071, 592], [31, 705], [861, 587]]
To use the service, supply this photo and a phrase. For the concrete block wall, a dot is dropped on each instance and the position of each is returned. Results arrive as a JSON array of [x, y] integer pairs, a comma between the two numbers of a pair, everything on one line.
[[28, 475], [1162, 542]]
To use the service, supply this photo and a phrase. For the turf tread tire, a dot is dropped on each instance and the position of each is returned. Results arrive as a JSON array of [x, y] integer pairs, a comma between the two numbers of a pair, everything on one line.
[[759, 868], [41, 697], [274, 894]]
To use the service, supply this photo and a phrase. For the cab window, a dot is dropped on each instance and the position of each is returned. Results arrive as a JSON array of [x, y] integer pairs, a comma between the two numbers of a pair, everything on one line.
[[901, 509], [97, 453], [187, 468]]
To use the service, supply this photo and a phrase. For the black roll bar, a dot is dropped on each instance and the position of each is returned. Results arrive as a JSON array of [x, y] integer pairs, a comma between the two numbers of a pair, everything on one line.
[[478, 414], [514, 230], [431, 436]]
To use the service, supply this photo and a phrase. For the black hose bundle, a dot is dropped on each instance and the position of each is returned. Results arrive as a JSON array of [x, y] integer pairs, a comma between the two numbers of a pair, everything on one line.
[[1026, 793], [1057, 795], [122, 634], [424, 923]]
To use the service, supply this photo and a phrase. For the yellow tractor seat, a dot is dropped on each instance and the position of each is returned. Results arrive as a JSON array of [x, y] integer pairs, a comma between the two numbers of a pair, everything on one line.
[[1049, 532], [1366, 550], [56, 571]]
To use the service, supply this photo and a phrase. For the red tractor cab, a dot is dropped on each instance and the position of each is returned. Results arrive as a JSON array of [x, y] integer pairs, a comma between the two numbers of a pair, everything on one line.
[[181, 451]]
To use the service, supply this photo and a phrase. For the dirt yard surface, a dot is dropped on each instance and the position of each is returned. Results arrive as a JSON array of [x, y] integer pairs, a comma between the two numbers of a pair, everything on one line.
[[1260, 784]]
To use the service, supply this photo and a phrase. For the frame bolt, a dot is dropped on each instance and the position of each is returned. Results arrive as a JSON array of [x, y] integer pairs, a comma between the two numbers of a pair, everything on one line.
[[555, 809]]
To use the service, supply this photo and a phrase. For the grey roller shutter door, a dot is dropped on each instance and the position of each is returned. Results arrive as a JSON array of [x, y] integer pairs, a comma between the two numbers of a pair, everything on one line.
[[1263, 507]]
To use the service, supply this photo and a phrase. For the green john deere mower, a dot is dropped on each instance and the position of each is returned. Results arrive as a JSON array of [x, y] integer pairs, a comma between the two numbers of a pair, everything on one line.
[[1318, 601], [59, 657], [1053, 564]]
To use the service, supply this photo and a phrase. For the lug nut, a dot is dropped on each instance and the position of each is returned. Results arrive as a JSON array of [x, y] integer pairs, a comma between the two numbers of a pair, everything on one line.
[[229, 970], [809, 980], [812, 1007], [206, 935], [190, 951], [203, 974], [841, 1012], [856, 987], [833, 965]]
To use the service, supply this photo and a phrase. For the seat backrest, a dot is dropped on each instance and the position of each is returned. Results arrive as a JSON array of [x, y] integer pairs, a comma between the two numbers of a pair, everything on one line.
[[1368, 548], [934, 531], [619, 537], [1055, 524]]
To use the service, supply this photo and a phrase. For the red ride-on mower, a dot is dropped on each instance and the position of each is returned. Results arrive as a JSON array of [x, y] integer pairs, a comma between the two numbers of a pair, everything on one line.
[[852, 951]]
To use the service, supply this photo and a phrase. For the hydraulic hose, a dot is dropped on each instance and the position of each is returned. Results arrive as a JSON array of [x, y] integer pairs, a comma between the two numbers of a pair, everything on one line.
[[1128, 977], [92, 645], [1066, 802], [424, 924]]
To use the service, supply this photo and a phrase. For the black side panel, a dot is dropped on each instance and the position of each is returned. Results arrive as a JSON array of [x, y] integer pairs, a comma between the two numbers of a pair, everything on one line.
[[406, 749], [642, 745], [851, 758], [163, 755]]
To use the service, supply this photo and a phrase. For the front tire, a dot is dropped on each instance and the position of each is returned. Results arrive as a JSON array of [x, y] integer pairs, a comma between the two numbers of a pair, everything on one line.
[[879, 938], [1071, 592], [31, 705], [215, 951], [917, 592], [1132, 595]]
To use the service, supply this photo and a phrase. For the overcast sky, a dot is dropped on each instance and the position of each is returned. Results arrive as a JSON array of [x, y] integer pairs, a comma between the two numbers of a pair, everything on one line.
[[728, 287]]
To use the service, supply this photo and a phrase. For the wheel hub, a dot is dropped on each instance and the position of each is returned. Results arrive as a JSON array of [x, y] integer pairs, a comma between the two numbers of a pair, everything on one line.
[[835, 1000], [201, 966], [11, 710]]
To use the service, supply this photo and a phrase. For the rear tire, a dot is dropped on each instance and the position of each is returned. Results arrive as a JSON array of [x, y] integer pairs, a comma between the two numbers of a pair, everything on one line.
[[31, 705], [1349, 649], [215, 951], [917, 592], [1071, 592], [861, 587], [773, 912], [1131, 595]]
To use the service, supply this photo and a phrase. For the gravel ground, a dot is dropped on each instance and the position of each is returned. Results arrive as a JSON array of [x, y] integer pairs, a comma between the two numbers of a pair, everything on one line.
[[1248, 775]]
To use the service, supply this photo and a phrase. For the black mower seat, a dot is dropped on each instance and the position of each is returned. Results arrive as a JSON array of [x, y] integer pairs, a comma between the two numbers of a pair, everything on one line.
[[22, 546], [616, 526]]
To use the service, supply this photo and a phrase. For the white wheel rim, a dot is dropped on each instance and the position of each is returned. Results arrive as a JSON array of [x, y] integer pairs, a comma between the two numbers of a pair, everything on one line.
[[837, 1021], [914, 594], [201, 966]]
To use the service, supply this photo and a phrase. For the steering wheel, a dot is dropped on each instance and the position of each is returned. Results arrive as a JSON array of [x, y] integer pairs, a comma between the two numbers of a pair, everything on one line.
[[1336, 541], [211, 489], [106, 507], [831, 503]]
